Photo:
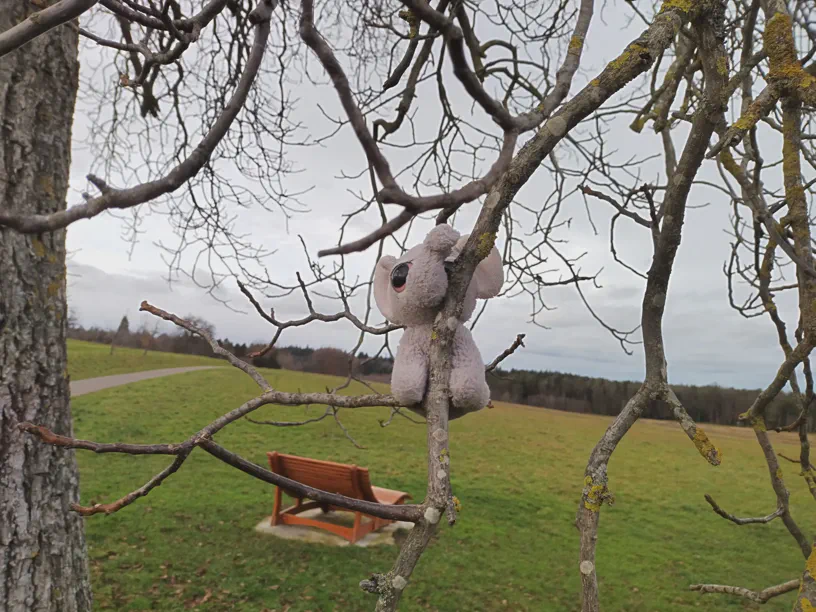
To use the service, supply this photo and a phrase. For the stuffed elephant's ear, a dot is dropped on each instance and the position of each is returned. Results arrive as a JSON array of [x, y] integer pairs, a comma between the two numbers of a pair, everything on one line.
[[382, 286], [441, 239], [489, 275]]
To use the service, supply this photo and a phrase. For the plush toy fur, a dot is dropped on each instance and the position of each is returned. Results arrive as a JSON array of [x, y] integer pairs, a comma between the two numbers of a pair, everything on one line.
[[409, 291]]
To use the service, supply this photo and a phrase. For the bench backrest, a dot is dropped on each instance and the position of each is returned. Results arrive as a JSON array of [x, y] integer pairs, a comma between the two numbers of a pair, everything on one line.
[[348, 480]]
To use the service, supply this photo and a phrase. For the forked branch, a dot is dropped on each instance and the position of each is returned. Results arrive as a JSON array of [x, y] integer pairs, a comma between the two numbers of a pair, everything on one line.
[[758, 596], [743, 521]]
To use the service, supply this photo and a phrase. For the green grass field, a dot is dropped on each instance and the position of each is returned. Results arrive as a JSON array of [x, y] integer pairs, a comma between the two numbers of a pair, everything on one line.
[[89, 360], [517, 470]]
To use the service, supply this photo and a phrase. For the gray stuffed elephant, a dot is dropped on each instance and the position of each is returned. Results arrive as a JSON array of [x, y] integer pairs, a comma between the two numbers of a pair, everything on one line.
[[409, 291]]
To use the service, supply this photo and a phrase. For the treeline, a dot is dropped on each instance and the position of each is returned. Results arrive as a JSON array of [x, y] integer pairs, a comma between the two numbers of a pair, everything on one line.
[[319, 361], [572, 393], [556, 390]]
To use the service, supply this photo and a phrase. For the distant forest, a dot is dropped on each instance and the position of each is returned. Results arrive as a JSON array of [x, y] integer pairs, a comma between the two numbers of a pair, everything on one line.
[[573, 393], [556, 390]]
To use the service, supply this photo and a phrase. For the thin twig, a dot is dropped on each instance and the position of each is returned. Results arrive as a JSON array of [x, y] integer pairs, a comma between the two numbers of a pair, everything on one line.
[[743, 521], [519, 341], [216, 348]]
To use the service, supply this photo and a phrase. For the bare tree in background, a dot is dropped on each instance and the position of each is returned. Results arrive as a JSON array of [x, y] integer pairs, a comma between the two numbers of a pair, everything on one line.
[[688, 65], [147, 336]]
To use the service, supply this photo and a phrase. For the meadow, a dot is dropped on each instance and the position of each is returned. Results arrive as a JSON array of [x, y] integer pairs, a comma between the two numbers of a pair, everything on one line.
[[517, 470], [89, 360]]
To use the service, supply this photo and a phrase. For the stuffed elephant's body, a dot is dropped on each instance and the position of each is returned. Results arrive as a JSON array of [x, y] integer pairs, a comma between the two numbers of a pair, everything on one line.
[[409, 291], [409, 378]]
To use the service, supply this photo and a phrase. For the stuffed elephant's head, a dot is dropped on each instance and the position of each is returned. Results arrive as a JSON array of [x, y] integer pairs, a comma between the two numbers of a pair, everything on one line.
[[410, 290]]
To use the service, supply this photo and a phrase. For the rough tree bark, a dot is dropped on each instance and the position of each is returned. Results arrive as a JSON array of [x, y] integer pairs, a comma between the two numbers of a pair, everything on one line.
[[43, 561]]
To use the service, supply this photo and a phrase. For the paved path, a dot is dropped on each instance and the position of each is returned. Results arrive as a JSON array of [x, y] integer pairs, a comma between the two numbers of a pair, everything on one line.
[[89, 385]]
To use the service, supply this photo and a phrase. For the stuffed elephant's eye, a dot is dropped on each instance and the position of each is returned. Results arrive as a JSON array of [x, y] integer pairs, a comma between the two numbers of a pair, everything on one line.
[[399, 276]]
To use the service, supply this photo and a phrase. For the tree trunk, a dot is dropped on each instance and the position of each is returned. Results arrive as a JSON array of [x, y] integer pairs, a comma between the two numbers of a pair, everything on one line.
[[43, 557]]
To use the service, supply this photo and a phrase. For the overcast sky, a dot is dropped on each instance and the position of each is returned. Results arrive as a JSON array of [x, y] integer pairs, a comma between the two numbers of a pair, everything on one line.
[[706, 341]]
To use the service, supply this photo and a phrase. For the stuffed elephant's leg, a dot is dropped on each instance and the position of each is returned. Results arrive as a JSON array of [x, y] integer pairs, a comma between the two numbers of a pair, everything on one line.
[[468, 387], [409, 376]]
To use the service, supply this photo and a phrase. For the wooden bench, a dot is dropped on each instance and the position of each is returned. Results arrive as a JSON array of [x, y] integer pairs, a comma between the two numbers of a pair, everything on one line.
[[348, 480]]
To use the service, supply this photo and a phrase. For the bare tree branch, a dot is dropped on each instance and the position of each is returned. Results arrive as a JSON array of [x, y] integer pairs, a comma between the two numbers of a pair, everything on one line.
[[519, 341], [450, 201], [216, 348], [655, 384], [206, 15], [48, 437], [133, 196], [41, 22], [134, 495], [758, 596], [586, 190], [328, 412], [313, 316], [742, 521]]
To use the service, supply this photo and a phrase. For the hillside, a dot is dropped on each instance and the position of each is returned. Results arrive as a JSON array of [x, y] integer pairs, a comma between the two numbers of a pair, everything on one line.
[[91, 359], [517, 470], [548, 389]]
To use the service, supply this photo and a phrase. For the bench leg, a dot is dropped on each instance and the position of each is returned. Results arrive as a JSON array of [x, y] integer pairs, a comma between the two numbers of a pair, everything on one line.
[[355, 532], [277, 507], [379, 523], [361, 529]]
